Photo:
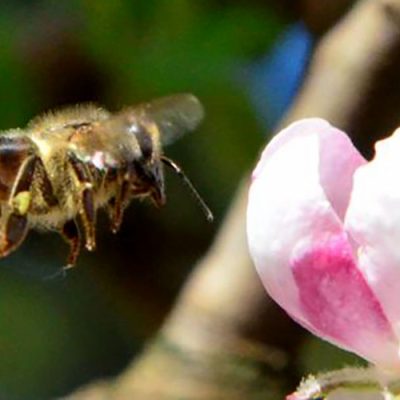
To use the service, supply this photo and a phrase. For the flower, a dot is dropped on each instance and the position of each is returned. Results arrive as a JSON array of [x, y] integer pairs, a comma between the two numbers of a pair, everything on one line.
[[323, 228]]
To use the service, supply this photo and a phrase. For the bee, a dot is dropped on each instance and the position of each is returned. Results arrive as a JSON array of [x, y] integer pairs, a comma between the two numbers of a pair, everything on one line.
[[64, 166]]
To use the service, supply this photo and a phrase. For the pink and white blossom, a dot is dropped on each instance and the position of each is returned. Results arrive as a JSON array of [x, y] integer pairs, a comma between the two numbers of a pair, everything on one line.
[[323, 229]]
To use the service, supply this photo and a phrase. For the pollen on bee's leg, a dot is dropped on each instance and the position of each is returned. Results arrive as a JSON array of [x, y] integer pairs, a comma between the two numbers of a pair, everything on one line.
[[21, 202]]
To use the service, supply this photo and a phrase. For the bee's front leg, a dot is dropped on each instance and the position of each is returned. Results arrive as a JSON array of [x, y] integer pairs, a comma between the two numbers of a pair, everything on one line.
[[118, 204], [15, 218], [70, 233], [87, 210]]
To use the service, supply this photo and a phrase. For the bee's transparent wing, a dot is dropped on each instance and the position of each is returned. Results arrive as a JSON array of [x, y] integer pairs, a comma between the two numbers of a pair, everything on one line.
[[107, 145], [113, 141], [174, 115]]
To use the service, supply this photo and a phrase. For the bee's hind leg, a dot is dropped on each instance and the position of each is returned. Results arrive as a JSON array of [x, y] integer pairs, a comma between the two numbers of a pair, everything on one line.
[[70, 233], [16, 229], [87, 210], [15, 215]]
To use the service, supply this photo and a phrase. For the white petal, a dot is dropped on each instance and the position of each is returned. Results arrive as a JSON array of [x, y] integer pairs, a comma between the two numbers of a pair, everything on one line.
[[373, 219]]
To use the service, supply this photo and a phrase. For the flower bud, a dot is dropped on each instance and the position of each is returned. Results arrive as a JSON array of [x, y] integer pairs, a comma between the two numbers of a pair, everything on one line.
[[323, 228]]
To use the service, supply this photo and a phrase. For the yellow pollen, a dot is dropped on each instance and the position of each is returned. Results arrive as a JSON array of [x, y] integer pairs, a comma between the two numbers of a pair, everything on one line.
[[21, 202]]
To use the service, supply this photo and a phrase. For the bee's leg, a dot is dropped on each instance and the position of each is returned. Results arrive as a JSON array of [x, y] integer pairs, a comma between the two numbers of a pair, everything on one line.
[[16, 229], [70, 233], [117, 206], [16, 223], [87, 210], [46, 187]]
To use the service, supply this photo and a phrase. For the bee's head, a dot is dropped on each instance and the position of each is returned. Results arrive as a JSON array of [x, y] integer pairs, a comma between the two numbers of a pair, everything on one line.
[[148, 166], [148, 169]]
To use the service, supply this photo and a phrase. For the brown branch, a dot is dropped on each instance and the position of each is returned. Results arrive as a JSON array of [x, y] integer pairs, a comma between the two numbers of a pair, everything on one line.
[[224, 339]]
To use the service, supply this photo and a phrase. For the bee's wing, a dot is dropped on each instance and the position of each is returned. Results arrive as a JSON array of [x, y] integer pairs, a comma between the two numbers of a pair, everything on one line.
[[174, 115], [114, 141], [106, 145]]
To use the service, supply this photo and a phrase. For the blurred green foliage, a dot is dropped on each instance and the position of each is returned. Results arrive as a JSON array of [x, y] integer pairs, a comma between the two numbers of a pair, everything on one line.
[[58, 333], [319, 356]]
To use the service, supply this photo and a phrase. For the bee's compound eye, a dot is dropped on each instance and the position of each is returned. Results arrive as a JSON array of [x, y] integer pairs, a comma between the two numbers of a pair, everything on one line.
[[145, 142]]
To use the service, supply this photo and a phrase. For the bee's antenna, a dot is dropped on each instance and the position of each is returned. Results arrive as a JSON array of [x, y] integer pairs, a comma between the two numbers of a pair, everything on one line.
[[178, 170]]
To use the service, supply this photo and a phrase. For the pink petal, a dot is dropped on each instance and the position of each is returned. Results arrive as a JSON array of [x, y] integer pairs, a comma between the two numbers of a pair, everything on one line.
[[297, 201], [338, 303], [373, 220], [290, 200], [340, 158]]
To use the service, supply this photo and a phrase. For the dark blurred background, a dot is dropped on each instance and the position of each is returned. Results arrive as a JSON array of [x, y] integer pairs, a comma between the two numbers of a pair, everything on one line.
[[243, 59]]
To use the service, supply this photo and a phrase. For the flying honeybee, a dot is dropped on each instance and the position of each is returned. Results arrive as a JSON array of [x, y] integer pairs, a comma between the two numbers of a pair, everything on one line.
[[56, 173]]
